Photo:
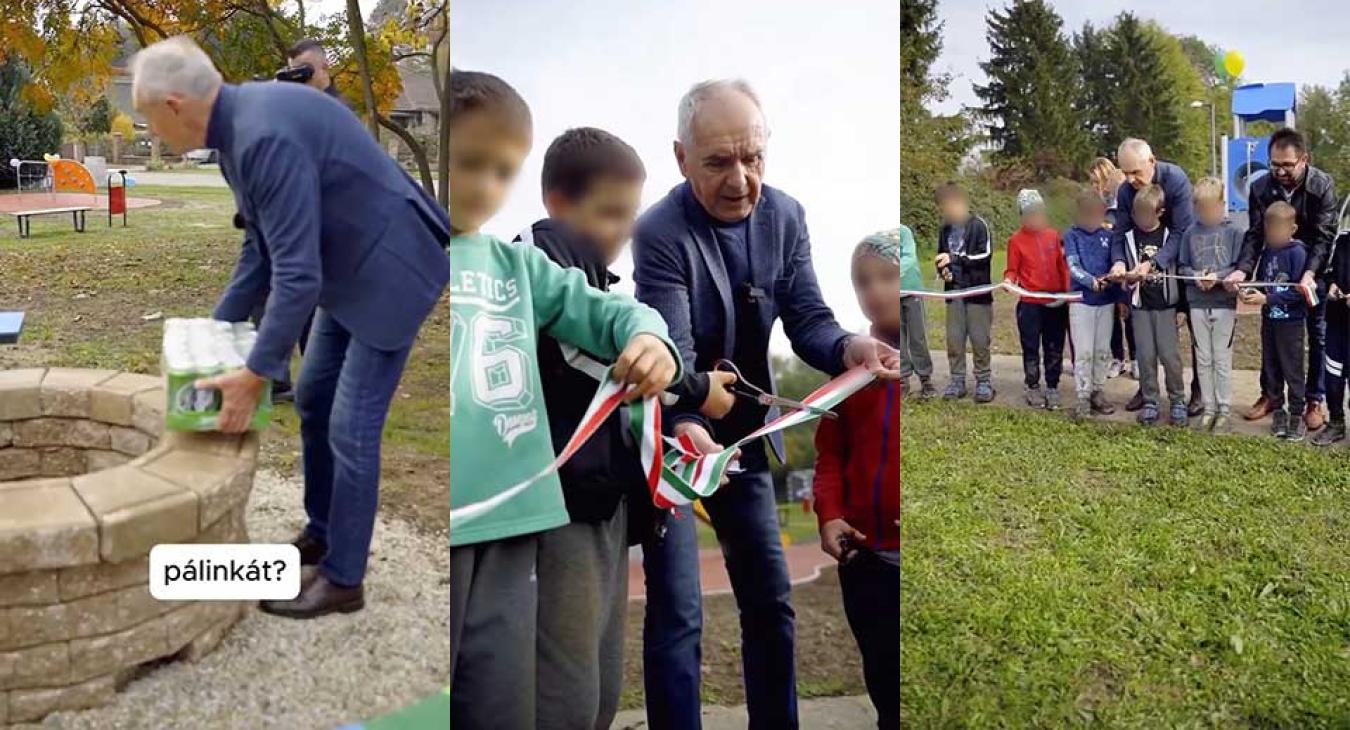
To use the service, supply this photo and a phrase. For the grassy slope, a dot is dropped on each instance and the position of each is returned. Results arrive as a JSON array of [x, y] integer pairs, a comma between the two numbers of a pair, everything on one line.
[[85, 295], [1059, 575]]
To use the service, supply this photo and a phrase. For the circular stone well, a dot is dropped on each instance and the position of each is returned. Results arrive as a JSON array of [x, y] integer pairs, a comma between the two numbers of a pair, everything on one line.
[[88, 484]]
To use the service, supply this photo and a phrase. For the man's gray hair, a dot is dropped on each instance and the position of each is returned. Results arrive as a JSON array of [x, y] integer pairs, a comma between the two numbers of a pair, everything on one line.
[[704, 91], [173, 67], [1136, 146]]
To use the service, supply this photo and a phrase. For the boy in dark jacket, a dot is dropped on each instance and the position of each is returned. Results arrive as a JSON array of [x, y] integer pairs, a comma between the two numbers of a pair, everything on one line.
[[857, 487], [1087, 252], [1338, 341], [964, 251], [1154, 306], [1036, 263], [1284, 310], [592, 186]]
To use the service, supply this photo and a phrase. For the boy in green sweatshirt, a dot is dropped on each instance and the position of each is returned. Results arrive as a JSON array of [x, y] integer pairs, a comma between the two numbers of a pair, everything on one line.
[[502, 296], [914, 355]]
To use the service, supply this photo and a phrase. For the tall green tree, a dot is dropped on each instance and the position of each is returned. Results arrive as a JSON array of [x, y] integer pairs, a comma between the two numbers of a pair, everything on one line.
[[1096, 101], [1324, 119], [931, 145], [26, 131], [1029, 102]]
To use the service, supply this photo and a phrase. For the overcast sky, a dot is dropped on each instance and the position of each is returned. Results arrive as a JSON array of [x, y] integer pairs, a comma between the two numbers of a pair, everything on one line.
[[829, 82], [1279, 42]]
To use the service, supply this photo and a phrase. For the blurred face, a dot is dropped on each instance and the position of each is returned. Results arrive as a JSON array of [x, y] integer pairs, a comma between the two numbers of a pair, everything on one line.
[[1035, 220], [1090, 216], [317, 60], [1287, 164], [1137, 169], [1146, 218], [179, 122], [877, 284], [485, 155], [1279, 232], [723, 160], [1209, 212], [954, 209], [604, 214]]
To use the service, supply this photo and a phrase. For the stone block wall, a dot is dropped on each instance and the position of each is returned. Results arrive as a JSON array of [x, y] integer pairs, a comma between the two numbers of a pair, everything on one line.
[[88, 484]]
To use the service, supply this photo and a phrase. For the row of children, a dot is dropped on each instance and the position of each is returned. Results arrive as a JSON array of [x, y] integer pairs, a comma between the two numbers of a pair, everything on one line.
[[1165, 279], [539, 584]]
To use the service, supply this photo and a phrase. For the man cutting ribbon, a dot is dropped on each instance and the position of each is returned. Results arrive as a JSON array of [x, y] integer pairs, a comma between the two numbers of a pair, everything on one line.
[[721, 257]]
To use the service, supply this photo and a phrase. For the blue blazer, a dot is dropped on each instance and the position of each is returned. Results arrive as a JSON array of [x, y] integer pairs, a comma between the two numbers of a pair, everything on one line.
[[330, 219], [679, 272]]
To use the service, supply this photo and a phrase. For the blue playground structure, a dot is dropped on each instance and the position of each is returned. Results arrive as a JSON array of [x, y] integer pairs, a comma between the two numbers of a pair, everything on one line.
[[1246, 158]]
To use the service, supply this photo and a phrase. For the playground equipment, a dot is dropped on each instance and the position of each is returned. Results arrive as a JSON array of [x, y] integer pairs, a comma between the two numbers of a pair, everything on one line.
[[1247, 158], [56, 186]]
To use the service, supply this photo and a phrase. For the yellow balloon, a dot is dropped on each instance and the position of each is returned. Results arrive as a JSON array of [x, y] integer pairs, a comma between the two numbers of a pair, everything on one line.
[[1233, 63]]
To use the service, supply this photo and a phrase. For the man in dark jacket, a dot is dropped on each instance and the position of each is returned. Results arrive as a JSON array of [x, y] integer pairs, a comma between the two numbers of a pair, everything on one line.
[[721, 257], [1312, 192]]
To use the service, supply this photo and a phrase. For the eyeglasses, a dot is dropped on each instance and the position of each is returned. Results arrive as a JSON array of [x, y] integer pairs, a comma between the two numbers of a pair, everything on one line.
[[1285, 165]]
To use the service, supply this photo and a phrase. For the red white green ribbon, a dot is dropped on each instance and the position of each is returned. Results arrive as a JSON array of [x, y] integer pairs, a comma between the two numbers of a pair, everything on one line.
[[975, 291], [677, 472]]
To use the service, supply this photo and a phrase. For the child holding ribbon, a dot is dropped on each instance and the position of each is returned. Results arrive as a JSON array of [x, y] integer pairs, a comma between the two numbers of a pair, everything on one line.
[[1087, 252], [502, 296], [1036, 262], [964, 251], [857, 486], [914, 355]]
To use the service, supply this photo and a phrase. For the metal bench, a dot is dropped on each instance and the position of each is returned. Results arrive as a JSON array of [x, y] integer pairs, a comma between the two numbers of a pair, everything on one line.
[[26, 225]]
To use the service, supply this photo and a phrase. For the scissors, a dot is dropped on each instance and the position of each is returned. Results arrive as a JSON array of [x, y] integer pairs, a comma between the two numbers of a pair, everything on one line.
[[746, 389]]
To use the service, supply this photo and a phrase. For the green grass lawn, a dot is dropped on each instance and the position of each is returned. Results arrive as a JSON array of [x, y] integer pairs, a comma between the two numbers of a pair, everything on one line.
[[1062, 575]]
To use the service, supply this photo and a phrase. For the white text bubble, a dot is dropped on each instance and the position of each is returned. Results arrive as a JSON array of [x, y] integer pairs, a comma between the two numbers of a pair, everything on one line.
[[224, 572]]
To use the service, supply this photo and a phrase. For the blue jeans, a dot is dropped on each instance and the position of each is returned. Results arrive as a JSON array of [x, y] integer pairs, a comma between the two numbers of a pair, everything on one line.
[[342, 398], [745, 517]]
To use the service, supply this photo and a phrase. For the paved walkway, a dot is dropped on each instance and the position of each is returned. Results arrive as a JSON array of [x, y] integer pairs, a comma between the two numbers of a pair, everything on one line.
[[1008, 384], [824, 713], [804, 564]]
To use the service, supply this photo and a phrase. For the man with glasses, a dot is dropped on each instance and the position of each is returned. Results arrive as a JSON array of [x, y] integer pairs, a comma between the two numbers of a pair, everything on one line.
[[1312, 192]]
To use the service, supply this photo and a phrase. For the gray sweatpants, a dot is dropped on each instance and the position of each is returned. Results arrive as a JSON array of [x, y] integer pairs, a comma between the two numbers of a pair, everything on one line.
[[1156, 343], [583, 596], [914, 355], [1090, 329], [493, 605], [1214, 357], [969, 321]]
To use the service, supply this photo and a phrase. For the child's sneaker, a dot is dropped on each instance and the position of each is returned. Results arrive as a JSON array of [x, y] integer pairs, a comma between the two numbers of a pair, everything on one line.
[[1052, 399], [1035, 398], [1298, 430], [1115, 369], [1082, 410], [1334, 432], [1100, 405], [984, 391], [1222, 424], [1148, 415], [926, 389], [1279, 424], [955, 389], [1179, 415], [1206, 422]]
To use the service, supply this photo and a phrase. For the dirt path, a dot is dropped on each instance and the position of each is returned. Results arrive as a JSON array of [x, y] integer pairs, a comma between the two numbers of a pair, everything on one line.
[[804, 564], [825, 713]]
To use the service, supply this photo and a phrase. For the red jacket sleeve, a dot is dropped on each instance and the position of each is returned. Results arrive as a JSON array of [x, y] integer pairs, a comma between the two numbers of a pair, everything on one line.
[[1013, 269], [829, 478]]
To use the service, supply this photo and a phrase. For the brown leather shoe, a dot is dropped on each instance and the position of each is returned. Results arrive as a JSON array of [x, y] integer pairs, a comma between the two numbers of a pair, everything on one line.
[[1260, 409], [311, 550], [318, 597], [1312, 415]]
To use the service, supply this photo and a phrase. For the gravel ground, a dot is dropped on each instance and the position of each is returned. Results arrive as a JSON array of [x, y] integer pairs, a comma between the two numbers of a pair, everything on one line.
[[305, 675], [823, 713]]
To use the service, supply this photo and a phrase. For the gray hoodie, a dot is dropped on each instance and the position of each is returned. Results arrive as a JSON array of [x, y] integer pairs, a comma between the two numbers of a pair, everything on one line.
[[1209, 249]]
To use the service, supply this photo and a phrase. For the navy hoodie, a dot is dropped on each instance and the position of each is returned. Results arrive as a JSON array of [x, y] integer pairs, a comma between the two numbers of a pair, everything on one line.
[[1284, 303], [1088, 254]]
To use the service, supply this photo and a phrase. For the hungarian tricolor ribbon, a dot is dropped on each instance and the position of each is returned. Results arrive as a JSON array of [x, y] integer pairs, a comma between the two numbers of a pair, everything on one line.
[[975, 291], [677, 472]]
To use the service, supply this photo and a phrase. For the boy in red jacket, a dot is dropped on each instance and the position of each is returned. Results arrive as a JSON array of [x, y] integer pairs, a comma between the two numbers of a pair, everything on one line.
[[857, 487], [1036, 262]]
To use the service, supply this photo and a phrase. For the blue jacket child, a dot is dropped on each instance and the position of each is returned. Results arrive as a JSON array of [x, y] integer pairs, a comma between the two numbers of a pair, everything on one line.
[[1284, 303], [1088, 254]]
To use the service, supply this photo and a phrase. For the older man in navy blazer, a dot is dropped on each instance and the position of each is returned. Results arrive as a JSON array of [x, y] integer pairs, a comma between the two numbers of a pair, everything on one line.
[[722, 257], [333, 223]]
